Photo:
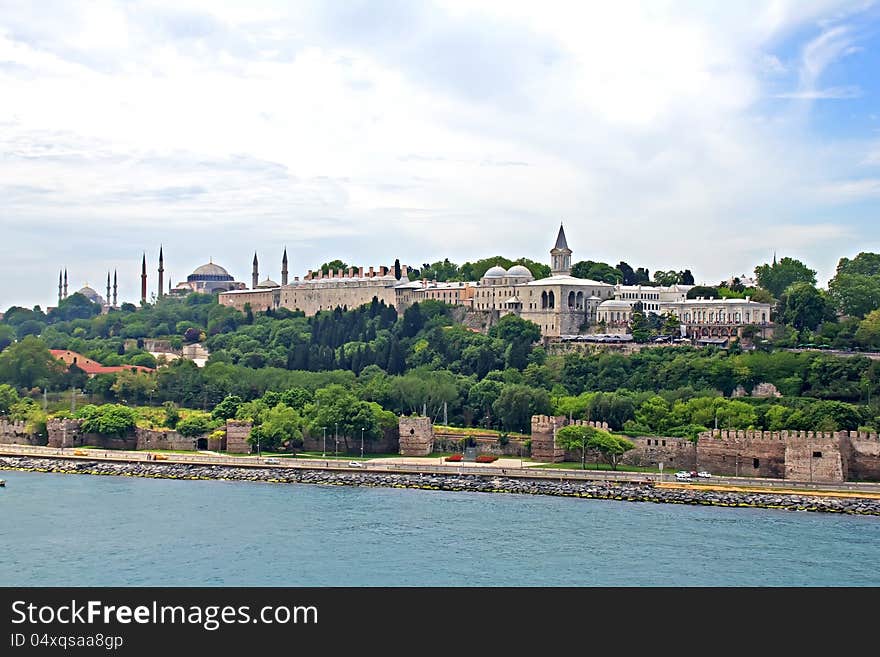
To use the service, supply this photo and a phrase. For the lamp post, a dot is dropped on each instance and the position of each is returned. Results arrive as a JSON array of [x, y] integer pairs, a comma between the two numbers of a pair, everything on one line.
[[362, 442], [336, 438], [324, 445]]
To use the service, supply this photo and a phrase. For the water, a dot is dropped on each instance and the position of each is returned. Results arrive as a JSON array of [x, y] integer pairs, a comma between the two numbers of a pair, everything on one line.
[[118, 531]]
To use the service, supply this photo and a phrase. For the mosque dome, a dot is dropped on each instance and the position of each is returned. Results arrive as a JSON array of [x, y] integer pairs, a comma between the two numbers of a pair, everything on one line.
[[268, 283], [210, 269], [519, 271], [90, 294], [495, 272]]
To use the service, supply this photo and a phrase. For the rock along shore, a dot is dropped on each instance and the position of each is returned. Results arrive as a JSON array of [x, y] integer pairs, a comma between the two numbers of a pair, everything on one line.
[[631, 492]]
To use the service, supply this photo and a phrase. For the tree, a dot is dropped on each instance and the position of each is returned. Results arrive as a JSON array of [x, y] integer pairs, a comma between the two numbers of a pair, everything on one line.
[[611, 446], [397, 271], [333, 266], [172, 415], [779, 275], [108, 419], [135, 387], [7, 336], [228, 408], [855, 287], [596, 271], [670, 277], [868, 333], [28, 364], [629, 276], [639, 326], [280, 424], [517, 404], [671, 324], [803, 306], [8, 397], [704, 291], [576, 437], [686, 277], [520, 334], [195, 424]]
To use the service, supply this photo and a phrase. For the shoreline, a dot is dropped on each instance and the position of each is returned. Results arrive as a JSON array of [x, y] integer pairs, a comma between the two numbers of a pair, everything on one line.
[[453, 482]]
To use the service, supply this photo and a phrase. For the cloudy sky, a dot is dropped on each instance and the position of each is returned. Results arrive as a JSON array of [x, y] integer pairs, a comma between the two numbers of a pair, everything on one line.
[[667, 134]]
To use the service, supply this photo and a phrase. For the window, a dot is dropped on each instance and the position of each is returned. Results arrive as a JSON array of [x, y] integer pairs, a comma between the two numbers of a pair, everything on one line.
[[664, 443], [756, 463], [817, 455]]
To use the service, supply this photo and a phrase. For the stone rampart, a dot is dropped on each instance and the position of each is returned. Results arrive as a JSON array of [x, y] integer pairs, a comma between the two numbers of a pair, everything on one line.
[[416, 435], [163, 439], [16, 433], [237, 434], [544, 447]]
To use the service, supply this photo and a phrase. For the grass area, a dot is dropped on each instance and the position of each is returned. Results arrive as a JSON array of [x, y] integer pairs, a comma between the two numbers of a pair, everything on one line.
[[477, 431], [572, 465]]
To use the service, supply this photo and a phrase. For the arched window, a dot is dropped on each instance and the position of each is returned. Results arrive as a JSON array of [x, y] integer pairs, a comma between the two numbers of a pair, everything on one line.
[[551, 300], [571, 299], [580, 300], [544, 299]]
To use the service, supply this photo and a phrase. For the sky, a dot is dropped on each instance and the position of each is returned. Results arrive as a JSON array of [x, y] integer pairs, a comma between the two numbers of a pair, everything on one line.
[[693, 134]]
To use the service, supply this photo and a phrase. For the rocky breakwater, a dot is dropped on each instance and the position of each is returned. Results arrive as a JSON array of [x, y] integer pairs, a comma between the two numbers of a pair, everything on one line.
[[630, 492]]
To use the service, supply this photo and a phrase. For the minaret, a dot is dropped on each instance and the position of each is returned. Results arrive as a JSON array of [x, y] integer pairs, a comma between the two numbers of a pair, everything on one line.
[[284, 267], [59, 287], [107, 298], [560, 255], [65, 282], [161, 272], [114, 288], [169, 284], [255, 276], [144, 279]]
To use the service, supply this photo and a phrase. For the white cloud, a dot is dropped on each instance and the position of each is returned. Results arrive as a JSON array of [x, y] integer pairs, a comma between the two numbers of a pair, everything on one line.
[[370, 131]]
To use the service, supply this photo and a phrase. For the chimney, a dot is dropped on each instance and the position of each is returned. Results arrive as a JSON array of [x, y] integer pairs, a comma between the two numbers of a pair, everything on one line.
[[339, 273], [403, 271], [371, 272], [360, 272], [383, 270], [349, 272]]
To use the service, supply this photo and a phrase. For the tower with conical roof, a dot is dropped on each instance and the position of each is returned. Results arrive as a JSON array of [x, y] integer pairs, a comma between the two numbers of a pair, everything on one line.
[[114, 288], [59, 287], [108, 288], [284, 267], [560, 255], [65, 282], [144, 279], [161, 272], [255, 275]]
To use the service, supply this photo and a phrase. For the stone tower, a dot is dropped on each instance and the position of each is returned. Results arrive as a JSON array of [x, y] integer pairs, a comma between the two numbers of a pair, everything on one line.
[[560, 255], [416, 436], [284, 267], [144, 279], [255, 274], [161, 272]]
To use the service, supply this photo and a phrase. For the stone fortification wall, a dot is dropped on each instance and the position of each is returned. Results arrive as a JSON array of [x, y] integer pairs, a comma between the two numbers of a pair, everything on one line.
[[742, 453], [416, 436], [451, 441], [818, 456], [64, 433], [650, 451], [237, 434], [544, 447], [864, 456], [313, 297], [16, 433], [163, 439]]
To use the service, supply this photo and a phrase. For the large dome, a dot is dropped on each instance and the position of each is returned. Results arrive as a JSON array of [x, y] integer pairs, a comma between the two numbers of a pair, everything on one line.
[[519, 270], [210, 269], [268, 283], [90, 294], [495, 272]]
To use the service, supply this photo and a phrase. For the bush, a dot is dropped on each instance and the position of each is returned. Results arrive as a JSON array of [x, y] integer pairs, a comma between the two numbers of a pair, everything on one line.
[[455, 458], [194, 425]]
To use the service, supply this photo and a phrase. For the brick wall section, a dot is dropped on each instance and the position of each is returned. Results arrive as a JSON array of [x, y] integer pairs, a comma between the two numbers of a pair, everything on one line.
[[15, 433], [237, 434], [742, 453], [864, 456], [416, 436], [544, 447], [64, 433], [817, 456]]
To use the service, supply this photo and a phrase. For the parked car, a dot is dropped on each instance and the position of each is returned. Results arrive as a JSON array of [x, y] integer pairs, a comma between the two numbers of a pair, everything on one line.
[[355, 464], [703, 474], [272, 460], [683, 476]]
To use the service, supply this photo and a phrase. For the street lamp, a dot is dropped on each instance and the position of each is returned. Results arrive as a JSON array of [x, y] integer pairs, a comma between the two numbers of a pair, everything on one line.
[[324, 449], [362, 442], [336, 438]]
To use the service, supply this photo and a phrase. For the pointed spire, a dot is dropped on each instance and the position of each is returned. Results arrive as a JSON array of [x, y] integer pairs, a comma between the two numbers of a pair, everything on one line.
[[59, 287], [561, 242], [65, 282], [114, 288], [284, 267], [144, 278], [107, 298], [161, 273], [774, 257], [255, 274]]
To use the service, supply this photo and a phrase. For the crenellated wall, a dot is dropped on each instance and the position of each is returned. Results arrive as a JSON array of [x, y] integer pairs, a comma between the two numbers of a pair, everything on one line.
[[16, 433]]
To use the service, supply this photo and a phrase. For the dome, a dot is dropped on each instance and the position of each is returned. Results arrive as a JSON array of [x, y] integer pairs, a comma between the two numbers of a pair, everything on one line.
[[268, 283], [519, 270], [210, 270], [495, 272], [615, 303], [90, 294]]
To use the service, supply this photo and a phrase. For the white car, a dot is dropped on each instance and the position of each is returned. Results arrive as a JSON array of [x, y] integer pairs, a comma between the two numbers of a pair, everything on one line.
[[683, 476], [355, 464], [703, 474], [271, 460]]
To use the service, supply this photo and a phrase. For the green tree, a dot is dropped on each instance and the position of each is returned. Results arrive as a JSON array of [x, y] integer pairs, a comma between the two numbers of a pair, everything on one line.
[[868, 333], [279, 425], [671, 324], [779, 275], [7, 336], [28, 364], [670, 277], [638, 326], [195, 424], [576, 437], [108, 419], [704, 291], [803, 306], [8, 397], [596, 271], [172, 415], [611, 446], [228, 408], [517, 404]]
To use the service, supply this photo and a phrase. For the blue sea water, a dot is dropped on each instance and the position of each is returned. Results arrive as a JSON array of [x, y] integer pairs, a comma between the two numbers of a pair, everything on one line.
[[76, 530]]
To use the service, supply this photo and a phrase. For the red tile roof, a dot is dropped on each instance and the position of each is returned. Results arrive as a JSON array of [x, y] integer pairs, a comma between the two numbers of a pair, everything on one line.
[[93, 367]]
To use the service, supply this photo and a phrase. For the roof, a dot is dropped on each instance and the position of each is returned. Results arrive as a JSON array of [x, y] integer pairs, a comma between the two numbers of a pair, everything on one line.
[[210, 269], [92, 367], [615, 303], [495, 272], [697, 302], [565, 279], [519, 270], [268, 283], [561, 242]]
